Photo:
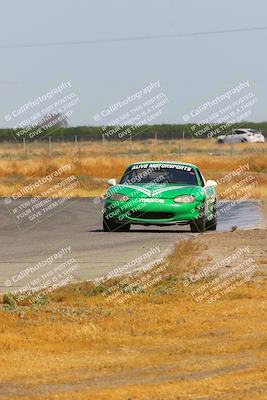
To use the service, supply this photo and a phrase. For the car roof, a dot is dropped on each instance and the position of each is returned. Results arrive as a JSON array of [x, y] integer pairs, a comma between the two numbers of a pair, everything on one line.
[[245, 130], [163, 162]]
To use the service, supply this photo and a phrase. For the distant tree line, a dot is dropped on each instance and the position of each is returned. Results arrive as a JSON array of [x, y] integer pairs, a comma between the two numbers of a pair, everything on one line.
[[164, 131]]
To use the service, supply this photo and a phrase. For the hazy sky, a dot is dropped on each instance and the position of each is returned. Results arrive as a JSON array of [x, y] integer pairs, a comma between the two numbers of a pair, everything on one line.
[[190, 70]]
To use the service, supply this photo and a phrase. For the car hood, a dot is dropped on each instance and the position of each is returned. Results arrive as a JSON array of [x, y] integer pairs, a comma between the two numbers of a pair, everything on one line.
[[162, 191]]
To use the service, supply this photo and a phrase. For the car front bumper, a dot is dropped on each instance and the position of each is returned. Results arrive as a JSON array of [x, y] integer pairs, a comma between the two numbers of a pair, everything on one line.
[[151, 211]]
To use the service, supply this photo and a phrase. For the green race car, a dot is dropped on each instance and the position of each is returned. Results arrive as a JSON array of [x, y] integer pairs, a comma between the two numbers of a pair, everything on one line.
[[160, 193]]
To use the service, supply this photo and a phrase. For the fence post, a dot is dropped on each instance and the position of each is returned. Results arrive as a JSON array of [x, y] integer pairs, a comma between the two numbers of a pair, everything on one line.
[[211, 144], [130, 143], [24, 148], [76, 143], [103, 143], [50, 146], [181, 143], [232, 149]]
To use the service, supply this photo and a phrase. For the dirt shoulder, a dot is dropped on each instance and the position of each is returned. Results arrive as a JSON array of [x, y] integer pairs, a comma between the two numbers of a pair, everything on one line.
[[164, 341], [221, 245]]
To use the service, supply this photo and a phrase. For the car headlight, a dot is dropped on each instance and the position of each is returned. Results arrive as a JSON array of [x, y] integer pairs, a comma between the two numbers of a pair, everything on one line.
[[184, 199], [119, 197]]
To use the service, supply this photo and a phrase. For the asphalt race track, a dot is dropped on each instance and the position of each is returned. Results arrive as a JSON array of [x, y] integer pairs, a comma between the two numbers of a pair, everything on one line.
[[78, 226]]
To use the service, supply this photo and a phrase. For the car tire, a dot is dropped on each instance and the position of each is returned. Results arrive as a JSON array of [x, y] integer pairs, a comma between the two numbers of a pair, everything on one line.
[[111, 226], [211, 224], [244, 141], [199, 224], [220, 141]]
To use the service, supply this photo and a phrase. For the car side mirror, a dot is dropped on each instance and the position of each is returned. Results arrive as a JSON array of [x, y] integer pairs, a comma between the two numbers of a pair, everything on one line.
[[210, 182], [112, 182]]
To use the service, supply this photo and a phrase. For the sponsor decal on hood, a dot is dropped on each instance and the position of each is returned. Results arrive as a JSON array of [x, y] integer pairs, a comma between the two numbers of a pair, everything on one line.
[[156, 191]]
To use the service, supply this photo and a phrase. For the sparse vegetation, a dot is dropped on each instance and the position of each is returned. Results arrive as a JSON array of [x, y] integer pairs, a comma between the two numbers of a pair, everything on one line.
[[93, 167], [164, 131], [160, 344]]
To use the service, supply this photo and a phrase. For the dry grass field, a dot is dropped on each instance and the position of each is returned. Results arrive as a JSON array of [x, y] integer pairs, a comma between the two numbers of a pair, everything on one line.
[[93, 164], [160, 344]]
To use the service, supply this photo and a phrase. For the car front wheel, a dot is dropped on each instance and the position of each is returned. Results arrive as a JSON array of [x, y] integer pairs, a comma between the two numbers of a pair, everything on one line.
[[111, 226], [211, 224], [199, 224]]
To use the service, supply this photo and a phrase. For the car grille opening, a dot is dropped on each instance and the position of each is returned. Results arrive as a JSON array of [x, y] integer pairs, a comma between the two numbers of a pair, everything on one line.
[[151, 215]]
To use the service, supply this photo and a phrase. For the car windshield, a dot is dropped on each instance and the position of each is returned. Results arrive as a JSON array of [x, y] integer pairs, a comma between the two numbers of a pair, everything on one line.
[[254, 131], [243, 131], [160, 174]]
